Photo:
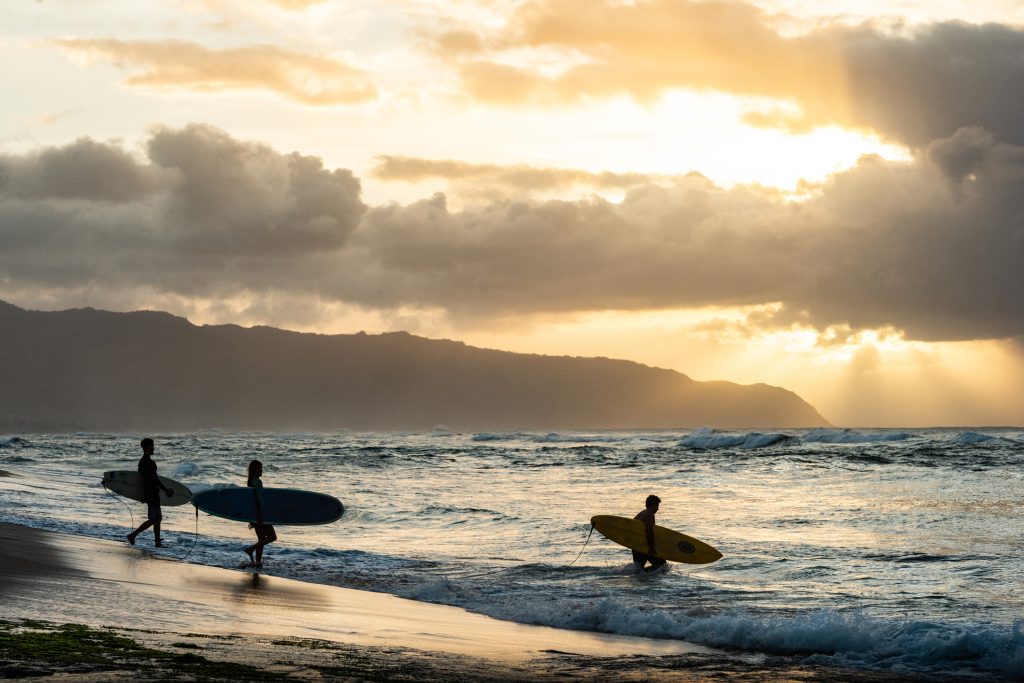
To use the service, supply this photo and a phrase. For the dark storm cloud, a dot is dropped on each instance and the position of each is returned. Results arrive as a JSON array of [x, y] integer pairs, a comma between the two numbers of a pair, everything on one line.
[[83, 170], [932, 246], [939, 79], [912, 86], [204, 213]]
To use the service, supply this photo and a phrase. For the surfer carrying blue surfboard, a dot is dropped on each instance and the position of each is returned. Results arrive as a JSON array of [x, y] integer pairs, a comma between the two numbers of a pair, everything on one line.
[[151, 486], [647, 517], [265, 533]]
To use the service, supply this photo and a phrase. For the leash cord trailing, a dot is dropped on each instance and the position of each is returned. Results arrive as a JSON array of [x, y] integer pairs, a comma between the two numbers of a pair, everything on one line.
[[584, 546], [501, 569], [194, 540], [127, 507]]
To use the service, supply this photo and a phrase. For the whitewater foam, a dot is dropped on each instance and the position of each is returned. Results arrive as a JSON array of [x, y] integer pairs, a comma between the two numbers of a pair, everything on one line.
[[711, 439], [841, 436]]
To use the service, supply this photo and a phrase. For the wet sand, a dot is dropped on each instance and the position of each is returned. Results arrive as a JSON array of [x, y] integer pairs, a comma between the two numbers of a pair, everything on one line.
[[290, 629], [60, 578]]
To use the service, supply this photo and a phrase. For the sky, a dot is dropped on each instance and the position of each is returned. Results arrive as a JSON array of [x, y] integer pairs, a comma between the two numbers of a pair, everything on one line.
[[825, 196]]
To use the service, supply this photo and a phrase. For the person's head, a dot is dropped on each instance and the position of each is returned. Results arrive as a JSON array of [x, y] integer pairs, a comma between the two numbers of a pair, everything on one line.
[[255, 470], [147, 446], [653, 502]]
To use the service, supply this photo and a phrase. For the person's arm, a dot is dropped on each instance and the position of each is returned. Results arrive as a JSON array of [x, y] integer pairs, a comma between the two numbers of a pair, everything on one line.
[[152, 480], [257, 492], [649, 532], [159, 484]]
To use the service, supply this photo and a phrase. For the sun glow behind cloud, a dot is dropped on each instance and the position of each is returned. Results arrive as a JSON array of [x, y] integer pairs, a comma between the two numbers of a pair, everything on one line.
[[792, 208], [683, 132], [703, 132], [869, 378]]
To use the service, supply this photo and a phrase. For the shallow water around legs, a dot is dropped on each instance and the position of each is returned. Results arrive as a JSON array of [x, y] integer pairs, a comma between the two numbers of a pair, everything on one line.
[[887, 550]]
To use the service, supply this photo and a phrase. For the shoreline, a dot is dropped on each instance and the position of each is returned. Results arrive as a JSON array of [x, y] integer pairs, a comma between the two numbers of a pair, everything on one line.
[[95, 582], [173, 617]]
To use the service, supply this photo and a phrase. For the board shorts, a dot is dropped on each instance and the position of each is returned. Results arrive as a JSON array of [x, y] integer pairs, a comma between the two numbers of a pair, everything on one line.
[[642, 559], [155, 513]]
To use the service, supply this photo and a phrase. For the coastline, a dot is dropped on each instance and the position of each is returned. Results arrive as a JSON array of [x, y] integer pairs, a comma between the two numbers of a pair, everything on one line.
[[239, 616], [182, 616]]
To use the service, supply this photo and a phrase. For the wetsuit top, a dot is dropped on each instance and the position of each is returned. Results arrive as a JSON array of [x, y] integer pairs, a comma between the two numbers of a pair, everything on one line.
[[151, 486]]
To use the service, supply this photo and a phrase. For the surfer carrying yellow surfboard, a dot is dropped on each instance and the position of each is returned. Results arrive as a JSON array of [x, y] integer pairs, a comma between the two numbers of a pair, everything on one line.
[[647, 517], [151, 486]]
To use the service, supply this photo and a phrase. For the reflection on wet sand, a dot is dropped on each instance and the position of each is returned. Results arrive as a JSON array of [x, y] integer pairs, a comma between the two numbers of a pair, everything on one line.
[[101, 582]]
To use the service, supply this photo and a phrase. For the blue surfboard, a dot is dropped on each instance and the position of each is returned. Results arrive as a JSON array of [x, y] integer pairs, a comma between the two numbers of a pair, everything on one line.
[[289, 507]]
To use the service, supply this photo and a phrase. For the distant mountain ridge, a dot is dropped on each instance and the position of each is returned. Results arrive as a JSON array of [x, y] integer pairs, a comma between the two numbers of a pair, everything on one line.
[[91, 370]]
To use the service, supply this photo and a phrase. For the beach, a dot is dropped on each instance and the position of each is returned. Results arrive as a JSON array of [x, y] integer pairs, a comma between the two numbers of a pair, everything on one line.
[[183, 621]]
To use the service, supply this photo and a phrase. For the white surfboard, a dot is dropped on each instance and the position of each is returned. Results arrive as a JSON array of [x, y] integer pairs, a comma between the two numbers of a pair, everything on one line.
[[128, 483]]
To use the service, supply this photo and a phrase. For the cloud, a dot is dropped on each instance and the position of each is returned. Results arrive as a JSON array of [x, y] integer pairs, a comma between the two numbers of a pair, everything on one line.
[[56, 117], [911, 87], [518, 177], [174, 64], [86, 170], [205, 215], [932, 246], [297, 4]]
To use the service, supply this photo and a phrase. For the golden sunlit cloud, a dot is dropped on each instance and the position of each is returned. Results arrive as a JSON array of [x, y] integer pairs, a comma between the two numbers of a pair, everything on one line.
[[53, 118], [298, 4], [180, 65], [912, 86], [520, 177]]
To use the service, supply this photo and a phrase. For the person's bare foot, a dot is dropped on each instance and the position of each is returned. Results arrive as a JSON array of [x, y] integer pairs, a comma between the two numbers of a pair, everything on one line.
[[158, 544], [131, 539]]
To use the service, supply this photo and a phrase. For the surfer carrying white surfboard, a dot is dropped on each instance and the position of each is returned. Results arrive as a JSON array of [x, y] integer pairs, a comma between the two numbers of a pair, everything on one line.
[[265, 533], [647, 517], [151, 486]]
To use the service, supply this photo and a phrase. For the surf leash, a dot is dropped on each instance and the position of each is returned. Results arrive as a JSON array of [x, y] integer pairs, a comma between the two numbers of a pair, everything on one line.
[[194, 540], [474, 575], [128, 507], [584, 546]]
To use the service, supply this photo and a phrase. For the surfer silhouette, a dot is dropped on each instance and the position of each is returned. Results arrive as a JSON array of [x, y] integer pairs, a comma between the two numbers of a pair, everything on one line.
[[151, 487], [647, 517], [265, 533]]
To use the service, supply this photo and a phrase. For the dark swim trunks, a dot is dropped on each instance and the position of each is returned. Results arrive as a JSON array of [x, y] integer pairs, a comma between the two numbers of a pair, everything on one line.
[[642, 559], [155, 514]]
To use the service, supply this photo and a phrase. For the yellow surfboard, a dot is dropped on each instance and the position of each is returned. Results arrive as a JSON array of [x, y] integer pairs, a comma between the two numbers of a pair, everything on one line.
[[668, 544]]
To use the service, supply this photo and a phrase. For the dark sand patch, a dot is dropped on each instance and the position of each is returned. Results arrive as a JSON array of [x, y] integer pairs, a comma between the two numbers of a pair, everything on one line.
[[34, 649]]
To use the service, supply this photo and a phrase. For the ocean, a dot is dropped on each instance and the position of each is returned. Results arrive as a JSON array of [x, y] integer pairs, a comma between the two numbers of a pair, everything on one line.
[[892, 551]]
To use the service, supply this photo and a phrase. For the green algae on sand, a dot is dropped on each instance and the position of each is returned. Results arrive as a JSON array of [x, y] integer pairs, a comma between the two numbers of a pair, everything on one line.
[[35, 648]]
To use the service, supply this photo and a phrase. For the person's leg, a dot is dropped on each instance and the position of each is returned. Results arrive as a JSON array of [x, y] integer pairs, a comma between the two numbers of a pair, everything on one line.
[[142, 527], [639, 559], [267, 535], [248, 550], [156, 515], [656, 563]]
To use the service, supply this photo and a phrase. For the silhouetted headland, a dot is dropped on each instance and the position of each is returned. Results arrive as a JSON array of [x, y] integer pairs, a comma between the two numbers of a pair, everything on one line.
[[90, 370]]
